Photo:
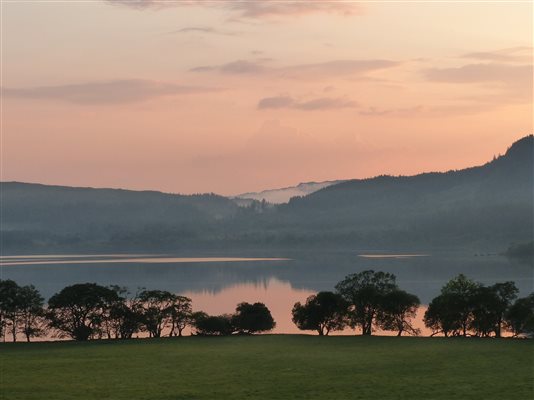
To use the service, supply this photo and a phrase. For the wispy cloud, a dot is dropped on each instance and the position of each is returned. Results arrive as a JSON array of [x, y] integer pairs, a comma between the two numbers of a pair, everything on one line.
[[254, 9], [301, 71], [315, 104], [145, 4], [266, 9], [235, 67], [521, 54], [105, 92], [491, 72], [395, 112], [206, 30]]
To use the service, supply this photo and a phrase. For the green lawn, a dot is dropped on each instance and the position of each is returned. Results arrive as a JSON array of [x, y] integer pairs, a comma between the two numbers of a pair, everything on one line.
[[270, 367]]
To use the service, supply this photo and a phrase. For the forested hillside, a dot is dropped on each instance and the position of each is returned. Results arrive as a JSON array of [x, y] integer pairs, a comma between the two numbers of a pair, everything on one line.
[[489, 206]]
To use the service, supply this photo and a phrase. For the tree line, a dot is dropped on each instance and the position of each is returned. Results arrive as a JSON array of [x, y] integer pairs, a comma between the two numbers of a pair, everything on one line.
[[365, 301], [372, 300], [89, 311]]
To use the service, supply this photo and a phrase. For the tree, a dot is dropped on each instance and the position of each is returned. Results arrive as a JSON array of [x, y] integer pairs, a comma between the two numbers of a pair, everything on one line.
[[440, 317], [398, 308], [460, 293], [489, 307], [9, 311], [252, 318], [365, 293], [196, 317], [180, 315], [486, 313], [467, 306], [520, 316], [124, 317], [506, 293], [77, 310], [323, 312], [219, 325], [31, 312], [156, 306]]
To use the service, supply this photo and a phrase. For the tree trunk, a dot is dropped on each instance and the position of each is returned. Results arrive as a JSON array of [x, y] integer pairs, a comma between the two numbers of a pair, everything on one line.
[[498, 330], [14, 331]]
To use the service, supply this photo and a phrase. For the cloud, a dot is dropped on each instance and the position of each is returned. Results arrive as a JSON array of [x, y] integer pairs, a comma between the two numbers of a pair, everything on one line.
[[321, 103], [254, 9], [507, 83], [144, 4], [396, 112], [301, 71], [276, 102], [234, 68], [491, 72], [263, 8], [522, 54], [241, 67], [105, 92], [204, 29]]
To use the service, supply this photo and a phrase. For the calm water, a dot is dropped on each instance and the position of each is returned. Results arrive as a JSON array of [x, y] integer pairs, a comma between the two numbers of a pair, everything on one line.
[[217, 282]]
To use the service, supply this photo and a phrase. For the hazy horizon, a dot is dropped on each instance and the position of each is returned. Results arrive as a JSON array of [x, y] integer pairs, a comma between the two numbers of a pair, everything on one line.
[[261, 189]]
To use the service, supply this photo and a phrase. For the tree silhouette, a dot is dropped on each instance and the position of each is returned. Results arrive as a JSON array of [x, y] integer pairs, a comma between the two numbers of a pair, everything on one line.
[[77, 310], [9, 311], [520, 316], [252, 318], [156, 306], [323, 312], [365, 293], [31, 313], [398, 308], [213, 325], [180, 314]]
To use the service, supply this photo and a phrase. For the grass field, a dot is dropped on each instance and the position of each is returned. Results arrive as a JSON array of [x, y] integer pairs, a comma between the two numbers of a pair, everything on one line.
[[270, 367]]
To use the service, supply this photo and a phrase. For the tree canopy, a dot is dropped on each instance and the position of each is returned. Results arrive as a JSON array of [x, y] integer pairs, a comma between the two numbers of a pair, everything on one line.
[[365, 292], [77, 311], [252, 318], [323, 312]]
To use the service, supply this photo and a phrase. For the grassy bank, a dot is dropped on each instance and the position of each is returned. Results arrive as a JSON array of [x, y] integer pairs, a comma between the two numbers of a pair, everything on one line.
[[270, 367]]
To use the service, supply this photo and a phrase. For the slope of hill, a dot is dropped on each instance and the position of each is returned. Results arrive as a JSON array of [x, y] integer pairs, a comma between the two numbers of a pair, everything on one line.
[[491, 201], [487, 206]]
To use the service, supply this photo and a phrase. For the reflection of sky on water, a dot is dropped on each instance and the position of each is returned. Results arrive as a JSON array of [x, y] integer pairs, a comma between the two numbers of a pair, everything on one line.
[[279, 298], [36, 260], [217, 285]]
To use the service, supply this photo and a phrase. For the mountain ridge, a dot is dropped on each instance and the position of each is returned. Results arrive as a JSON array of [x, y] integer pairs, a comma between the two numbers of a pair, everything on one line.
[[488, 205]]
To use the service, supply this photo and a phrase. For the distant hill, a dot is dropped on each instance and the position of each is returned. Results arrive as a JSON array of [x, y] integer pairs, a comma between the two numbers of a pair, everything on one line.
[[36, 215], [489, 206], [283, 195], [489, 203]]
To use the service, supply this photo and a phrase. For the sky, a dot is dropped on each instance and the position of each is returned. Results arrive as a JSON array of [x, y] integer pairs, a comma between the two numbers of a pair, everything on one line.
[[230, 97]]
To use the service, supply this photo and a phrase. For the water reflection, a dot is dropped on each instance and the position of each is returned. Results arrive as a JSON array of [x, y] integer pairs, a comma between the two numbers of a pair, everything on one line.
[[392, 255], [217, 282], [40, 260], [279, 297]]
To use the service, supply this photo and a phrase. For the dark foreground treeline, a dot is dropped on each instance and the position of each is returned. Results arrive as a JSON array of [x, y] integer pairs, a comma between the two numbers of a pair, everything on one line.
[[366, 301]]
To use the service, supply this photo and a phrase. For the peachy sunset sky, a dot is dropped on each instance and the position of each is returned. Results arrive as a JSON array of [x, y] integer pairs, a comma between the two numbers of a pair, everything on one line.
[[237, 96]]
